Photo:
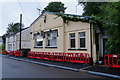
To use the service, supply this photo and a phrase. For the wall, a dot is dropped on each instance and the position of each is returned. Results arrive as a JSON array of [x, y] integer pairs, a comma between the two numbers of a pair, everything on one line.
[[63, 39], [12, 41], [63, 42], [52, 22], [25, 39], [76, 27]]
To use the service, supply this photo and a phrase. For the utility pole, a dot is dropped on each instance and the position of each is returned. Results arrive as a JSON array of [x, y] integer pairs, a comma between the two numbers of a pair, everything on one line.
[[20, 31]]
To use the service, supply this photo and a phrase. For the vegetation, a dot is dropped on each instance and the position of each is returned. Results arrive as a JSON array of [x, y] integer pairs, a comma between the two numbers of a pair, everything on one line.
[[3, 46], [73, 18], [13, 27], [106, 17], [55, 7]]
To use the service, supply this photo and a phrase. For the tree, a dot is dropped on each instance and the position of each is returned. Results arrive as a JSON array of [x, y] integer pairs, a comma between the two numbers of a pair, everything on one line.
[[112, 25], [13, 27], [55, 7], [92, 8], [107, 15]]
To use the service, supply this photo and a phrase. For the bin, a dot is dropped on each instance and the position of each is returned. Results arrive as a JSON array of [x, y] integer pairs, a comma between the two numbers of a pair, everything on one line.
[[24, 52]]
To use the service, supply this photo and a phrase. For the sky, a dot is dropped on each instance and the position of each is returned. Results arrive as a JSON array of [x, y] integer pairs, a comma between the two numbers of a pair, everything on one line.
[[10, 11]]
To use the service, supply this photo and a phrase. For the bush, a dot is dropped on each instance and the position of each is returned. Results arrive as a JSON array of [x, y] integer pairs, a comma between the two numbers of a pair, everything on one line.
[[3, 46]]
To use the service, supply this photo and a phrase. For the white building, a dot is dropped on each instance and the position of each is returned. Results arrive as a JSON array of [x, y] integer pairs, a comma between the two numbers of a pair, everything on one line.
[[12, 40]]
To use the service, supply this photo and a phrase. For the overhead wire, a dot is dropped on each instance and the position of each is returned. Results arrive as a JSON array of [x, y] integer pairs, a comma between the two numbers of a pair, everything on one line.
[[23, 11], [39, 4], [39, 9], [13, 6]]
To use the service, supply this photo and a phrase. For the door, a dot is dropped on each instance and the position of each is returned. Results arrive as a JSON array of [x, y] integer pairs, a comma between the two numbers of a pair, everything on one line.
[[104, 45]]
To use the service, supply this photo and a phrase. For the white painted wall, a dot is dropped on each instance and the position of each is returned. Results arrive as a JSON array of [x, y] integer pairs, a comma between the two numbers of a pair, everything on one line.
[[12, 42]]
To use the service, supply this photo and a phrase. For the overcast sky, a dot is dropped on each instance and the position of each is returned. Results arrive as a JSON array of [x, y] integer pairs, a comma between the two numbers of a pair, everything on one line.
[[11, 9]]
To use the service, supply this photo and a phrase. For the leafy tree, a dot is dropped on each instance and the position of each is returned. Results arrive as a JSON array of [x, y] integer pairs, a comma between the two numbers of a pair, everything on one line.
[[107, 15], [112, 25], [55, 7], [92, 8], [13, 27]]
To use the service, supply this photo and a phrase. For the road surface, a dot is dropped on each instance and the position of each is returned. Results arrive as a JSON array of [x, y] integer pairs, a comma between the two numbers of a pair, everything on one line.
[[18, 69]]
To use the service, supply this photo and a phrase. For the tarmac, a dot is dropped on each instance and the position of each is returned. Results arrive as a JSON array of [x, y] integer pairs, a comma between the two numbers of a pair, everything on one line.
[[96, 69]]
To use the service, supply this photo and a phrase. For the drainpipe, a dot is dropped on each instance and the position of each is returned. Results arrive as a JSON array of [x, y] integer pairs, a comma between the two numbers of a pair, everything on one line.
[[64, 45], [91, 58]]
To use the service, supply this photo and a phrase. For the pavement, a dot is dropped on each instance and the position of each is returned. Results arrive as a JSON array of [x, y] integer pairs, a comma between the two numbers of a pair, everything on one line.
[[71, 66]]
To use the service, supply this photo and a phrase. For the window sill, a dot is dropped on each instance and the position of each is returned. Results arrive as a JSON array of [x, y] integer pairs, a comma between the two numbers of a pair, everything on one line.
[[38, 47], [71, 49], [50, 47], [82, 49]]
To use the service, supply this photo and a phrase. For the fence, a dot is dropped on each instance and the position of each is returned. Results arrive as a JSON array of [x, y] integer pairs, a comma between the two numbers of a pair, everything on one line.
[[5, 52], [112, 60], [15, 53], [58, 56]]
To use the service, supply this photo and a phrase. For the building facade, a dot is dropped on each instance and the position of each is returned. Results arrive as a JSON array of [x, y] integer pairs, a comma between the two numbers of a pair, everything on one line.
[[12, 40], [51, 34]]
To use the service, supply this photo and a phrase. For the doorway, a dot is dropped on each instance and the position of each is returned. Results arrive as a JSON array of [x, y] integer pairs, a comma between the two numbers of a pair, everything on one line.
[[104, 46]]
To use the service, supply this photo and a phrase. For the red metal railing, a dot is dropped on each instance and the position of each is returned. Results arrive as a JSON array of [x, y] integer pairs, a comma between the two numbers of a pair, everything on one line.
[[112, 60], [58, 56]]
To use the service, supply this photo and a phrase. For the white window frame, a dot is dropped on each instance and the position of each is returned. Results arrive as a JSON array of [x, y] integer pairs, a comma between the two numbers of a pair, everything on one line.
[[83, 37], [50, 37], [70, 40], [41, 39]]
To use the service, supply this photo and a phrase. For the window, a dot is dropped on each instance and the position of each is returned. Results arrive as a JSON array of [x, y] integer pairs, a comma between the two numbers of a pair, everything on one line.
[[51, 39], [82, 39], [38, 41], [72, 40]]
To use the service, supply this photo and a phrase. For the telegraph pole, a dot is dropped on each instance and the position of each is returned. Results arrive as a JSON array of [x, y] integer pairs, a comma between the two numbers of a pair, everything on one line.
[[20, 31]]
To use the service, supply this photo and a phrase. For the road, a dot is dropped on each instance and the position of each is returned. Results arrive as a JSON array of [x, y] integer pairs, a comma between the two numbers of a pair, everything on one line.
[[18, 69]]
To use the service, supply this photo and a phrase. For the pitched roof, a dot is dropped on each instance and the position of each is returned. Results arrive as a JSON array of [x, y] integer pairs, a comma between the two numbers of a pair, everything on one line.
[[59, 13], [8, 35]]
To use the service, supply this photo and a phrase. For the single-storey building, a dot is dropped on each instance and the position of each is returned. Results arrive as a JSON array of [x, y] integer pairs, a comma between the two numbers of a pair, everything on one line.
[[13, 40], [57, 32]]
